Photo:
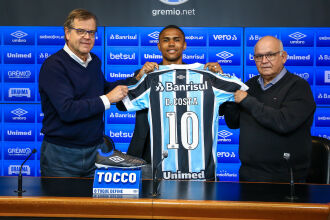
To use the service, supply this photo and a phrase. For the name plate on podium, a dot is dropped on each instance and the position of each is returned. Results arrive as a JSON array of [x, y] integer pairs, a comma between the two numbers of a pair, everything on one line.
[[117, 181]]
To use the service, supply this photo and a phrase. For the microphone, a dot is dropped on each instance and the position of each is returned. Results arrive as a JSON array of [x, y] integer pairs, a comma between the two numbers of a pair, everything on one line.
[[286, 157], [155, 182], [20, 177]]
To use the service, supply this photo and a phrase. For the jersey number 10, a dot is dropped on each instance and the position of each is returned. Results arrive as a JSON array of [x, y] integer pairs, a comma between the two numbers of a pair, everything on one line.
[[189, 122]]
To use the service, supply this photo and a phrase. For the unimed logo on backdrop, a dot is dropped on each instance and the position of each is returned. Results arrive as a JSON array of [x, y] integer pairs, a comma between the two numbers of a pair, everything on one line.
[[19, 132]]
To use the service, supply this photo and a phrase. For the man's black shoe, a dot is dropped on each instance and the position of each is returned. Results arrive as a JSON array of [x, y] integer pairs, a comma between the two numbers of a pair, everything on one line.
[[116, 158]]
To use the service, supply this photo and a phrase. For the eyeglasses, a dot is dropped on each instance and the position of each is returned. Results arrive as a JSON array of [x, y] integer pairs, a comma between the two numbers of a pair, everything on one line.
[[269, 56], [83, 32]]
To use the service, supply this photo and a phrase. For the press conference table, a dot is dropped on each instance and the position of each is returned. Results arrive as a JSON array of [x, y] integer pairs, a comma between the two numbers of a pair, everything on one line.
[[72, 197]]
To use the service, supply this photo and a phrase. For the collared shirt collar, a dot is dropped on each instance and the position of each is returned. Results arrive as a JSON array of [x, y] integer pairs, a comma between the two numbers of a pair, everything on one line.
[[273, 82], [76, 58]]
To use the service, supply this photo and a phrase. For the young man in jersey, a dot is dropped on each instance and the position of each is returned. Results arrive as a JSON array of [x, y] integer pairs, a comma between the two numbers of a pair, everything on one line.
[[171, 44], [274, 116]]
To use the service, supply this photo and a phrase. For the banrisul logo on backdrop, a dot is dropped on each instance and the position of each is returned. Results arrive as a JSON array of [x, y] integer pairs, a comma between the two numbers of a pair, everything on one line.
[[173, 2]]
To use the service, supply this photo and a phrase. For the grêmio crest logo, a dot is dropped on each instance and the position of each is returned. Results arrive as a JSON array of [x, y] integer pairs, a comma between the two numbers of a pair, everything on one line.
[[173, 2], [171, 87]]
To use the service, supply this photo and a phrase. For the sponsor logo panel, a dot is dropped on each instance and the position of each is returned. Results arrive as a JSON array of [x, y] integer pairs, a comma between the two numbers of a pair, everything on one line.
[[44, 52], [322, 57], [322, 117], [19, 36], [297, 37], [322, 95], [225, 56], [254, 34], [18, 55], [120, 133], [122, 56], [227, 136], [194, 55], [323, 76], [114, 116], [19, 113], [114, 73], [195, 36], [19, 132], [122, 36], [50, 36], [323, 37], [19, 73], [227, 154], [305, 73], [150, 54], [300, 56], [228, 172], [19, 92], [11, 168], [225, 37], [18, 150], [149, 36]]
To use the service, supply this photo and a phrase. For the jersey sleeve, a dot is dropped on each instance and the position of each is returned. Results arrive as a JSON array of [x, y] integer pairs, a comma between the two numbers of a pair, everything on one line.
[[225, 86], [138, 95]]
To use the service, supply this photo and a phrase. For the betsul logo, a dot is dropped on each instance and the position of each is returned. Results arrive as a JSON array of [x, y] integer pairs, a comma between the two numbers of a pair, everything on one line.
[[173, 2]]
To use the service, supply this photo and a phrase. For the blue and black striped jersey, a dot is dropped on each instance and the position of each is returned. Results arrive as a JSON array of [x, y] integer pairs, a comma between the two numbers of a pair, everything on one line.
[[183, 102]]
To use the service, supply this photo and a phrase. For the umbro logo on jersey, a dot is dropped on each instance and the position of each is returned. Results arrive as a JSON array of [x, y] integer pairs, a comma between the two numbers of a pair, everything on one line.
[[116, 159], [171, 87], [180, 77]]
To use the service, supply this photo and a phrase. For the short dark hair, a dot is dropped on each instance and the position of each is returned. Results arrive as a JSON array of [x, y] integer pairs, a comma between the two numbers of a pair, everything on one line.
[[174, 27], [79, 13]]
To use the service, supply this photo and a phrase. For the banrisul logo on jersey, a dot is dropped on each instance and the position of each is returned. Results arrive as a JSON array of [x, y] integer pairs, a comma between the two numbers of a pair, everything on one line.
[[173, 2], [171, 87]]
